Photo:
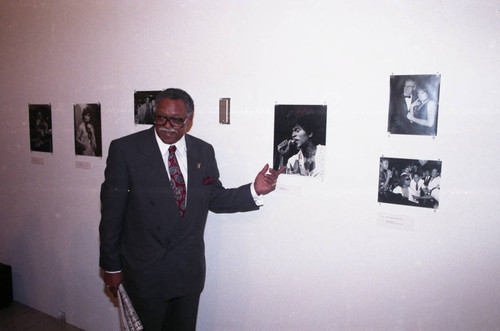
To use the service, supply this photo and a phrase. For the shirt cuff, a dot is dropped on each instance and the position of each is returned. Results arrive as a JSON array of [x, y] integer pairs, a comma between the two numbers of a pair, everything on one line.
[[259, 199]]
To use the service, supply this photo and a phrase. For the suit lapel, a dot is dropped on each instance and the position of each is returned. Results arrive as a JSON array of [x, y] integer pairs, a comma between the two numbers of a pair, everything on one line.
[[156, 165], [194, 164], [152, 152]]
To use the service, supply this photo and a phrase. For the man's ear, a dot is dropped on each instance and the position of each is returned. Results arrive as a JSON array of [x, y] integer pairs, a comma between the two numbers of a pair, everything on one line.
[[189, 123]]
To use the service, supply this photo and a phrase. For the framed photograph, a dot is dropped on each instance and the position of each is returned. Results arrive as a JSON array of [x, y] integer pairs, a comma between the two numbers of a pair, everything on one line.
[[40, 119], [144, 106], [300, 139], [88, 135], [414, 104], [409, 182]]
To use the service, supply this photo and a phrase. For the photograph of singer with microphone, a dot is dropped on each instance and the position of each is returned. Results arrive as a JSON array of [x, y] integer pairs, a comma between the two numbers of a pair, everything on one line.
[[300, 139]]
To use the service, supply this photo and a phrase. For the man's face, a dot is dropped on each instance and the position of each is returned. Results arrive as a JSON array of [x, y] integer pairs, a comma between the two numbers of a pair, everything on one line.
[[385, 164], [409, 88], [416, 178], [434, 173], [172, 108], [299, 136]]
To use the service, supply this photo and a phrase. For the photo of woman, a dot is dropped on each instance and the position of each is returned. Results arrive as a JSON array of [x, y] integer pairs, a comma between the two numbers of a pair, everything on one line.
[[423, 113], [88, 129], [299, 139]]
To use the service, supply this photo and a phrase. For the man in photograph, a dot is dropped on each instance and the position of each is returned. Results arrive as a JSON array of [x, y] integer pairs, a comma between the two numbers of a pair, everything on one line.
[[416, 185], [400, 106], [160, 184], [145, 112], [384, 180], [433, 185]]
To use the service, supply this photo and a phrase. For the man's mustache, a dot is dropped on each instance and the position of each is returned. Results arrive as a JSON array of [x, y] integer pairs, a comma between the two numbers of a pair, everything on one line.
[[167, 130]]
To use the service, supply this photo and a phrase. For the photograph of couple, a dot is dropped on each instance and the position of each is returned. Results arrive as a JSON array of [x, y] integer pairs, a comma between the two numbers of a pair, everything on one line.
[[413, 104]]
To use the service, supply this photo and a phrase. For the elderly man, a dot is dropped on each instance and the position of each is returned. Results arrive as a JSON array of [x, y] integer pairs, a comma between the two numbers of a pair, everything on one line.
[[159, 185]]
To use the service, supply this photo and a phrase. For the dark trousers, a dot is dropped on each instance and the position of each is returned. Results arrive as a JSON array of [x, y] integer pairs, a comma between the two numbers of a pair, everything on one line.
[[177, 314]]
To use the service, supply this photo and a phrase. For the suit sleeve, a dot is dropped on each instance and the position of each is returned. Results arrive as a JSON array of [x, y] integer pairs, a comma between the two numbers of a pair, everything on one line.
[[229, 200], [232, 200], [114, 194]]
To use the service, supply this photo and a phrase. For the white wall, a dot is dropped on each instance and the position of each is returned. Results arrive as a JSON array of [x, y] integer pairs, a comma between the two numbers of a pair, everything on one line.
[[315, 257]]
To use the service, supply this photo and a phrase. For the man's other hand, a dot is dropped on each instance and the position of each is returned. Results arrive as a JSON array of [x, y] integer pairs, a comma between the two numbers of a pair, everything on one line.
[[112, 280], [266, 182]]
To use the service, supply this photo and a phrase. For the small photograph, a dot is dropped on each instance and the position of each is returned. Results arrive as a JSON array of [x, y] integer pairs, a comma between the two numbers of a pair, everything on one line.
[[409, 182], [144, 106], [40, 117], [300, 139], [88, 129], [413, 104]]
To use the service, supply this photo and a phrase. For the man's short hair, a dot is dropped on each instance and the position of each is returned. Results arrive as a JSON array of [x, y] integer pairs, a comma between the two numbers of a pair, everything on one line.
[[177, 94]]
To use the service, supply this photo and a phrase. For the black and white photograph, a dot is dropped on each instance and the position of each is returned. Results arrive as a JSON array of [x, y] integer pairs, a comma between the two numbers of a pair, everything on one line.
[[414, 104], [40, 117], [300, 139], [409, 182], [88, 129], [144, 106]]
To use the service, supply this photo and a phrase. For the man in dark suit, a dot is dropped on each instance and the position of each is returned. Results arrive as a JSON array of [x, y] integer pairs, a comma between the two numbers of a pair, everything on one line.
[[152, 225], [400, 104]]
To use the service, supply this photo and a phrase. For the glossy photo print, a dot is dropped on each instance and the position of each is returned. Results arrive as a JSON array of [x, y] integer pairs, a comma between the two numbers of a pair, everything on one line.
[[409, 182], [414, 104], [88, 129], [300, 139], [40, 117], [144, 106]]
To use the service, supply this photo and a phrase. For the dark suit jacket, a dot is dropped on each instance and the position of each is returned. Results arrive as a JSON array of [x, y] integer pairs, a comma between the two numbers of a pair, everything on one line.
[[161, 254], [398, 122]]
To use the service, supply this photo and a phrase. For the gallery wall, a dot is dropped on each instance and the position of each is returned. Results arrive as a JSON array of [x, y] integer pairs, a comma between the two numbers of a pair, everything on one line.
[[320, 255]]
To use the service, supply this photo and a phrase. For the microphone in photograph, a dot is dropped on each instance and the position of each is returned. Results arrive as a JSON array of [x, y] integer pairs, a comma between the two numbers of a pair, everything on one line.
[[284, 146]]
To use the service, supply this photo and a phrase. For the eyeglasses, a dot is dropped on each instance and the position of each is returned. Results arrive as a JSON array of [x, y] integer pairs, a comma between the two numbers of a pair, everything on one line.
[[175, 122]]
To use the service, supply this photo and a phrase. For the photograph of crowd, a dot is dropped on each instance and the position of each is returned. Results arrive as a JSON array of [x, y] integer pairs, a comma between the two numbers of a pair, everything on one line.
[[300, 139], [409, 182], [87, 120], [413, 104], [40, 117], [144, 106]]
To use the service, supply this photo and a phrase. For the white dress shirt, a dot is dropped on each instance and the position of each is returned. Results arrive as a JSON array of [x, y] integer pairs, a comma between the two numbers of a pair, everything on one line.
[[180, 154]]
